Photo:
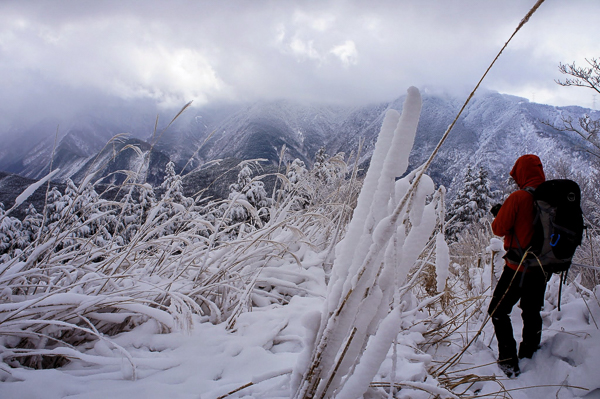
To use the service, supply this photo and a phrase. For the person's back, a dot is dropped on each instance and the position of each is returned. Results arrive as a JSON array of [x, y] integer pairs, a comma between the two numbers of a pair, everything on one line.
[[514, 221]]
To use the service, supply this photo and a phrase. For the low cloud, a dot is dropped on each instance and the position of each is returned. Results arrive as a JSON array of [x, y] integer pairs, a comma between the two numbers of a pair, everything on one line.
[[53, 55]]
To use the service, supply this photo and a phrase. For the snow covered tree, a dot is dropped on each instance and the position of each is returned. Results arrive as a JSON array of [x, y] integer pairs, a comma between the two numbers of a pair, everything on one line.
[[295, 188], [146, 199], [472, 204], [326, 176], [175, 206], [327, 169], [86, 214], [248, 200], [129, 219], [296, 172], [55, 206], [32, 223], [173, 186], [12, 236]]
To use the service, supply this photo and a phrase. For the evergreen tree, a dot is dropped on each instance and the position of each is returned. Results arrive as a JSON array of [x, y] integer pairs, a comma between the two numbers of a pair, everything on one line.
[[248, 202], [175, 206], [129, 219], [85, 213], [12, 236], [296, 172], [472, 203], [173, 184], [32, 223], [55, 206], [295, 189], [146, 199]]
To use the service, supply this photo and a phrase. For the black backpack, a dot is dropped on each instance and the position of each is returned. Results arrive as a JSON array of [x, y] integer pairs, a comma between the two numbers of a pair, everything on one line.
[[558, 225]]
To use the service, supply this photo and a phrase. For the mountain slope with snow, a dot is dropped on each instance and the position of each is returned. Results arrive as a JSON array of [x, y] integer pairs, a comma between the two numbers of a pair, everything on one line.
[[492, 132]]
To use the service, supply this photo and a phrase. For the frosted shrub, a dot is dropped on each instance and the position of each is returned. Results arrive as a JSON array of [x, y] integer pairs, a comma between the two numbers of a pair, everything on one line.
[[12, 235], [55, 204], [296, 172], [98, 267], [296, 187], [329, 174], [247, 207], [588, 254], [470, 245], [32, 223], [366, 299], [328, 169]]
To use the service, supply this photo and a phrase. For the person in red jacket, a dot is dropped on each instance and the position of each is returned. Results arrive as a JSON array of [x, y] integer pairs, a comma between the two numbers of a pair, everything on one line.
[[514, 221]]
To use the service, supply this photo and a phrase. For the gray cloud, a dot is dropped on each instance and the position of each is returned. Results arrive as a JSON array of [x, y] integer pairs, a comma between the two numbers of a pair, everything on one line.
[[59, 56]]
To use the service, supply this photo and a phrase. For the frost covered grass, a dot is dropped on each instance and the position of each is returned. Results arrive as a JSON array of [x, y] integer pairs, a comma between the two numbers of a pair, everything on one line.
[[367, 295], [92, 268]]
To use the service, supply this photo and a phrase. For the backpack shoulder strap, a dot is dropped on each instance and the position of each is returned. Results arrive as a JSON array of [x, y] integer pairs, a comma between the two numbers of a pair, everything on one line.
[[529, 189]]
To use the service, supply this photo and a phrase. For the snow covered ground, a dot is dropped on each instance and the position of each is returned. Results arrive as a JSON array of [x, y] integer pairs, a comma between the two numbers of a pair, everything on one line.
[[210, 362], [568, 362]]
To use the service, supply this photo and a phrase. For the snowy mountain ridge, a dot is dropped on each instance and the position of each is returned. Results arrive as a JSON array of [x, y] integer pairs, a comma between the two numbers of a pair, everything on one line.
[[492, 132]]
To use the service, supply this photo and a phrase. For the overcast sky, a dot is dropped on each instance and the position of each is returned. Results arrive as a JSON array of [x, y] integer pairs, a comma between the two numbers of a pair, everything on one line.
[[57, 56]]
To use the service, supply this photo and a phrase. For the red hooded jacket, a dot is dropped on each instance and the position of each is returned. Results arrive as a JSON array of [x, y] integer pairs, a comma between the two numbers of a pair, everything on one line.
[[515, 219]]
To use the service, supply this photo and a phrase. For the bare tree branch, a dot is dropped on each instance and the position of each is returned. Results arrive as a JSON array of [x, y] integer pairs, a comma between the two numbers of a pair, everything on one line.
[[583, 76], [586, 127]]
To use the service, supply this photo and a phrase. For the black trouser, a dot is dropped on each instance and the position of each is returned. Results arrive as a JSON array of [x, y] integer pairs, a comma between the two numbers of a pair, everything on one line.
[[529, 287]]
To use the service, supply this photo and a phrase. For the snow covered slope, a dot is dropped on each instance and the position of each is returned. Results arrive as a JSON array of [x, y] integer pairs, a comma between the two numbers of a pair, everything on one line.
[[493, 131]]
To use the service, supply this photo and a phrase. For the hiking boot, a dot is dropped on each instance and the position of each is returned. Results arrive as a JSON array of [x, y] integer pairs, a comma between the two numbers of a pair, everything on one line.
[[527, 351], [510, 367]]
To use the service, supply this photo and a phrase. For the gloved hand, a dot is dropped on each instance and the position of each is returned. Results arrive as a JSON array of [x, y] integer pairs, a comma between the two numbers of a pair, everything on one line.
[[495, 209]]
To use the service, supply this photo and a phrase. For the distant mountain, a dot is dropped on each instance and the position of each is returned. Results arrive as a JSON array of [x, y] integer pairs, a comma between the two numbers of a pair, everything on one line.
[[492, 132]]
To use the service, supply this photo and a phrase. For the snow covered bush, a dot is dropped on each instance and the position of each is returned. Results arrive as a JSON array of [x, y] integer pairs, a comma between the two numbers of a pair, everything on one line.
[[248, 202], [295, 188], [13, 238], [95, 267], [368, 294]]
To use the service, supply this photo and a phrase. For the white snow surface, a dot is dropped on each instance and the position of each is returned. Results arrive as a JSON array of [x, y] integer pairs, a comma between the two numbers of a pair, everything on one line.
[[210, 361]]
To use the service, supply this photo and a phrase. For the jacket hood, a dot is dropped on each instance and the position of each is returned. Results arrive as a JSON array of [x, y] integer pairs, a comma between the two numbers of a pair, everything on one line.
[[528, 171]]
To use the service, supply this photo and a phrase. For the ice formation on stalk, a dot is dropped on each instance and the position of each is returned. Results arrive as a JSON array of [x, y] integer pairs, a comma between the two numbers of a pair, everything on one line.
[[391, 225]]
